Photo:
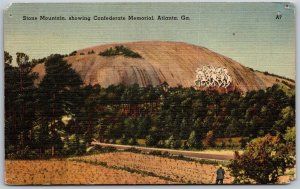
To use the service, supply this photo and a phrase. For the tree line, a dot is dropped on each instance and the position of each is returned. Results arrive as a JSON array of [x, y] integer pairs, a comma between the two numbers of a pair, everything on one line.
[[61, 116]]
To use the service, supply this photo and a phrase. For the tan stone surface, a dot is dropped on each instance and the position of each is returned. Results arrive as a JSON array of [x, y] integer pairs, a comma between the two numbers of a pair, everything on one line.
[[173, 62]]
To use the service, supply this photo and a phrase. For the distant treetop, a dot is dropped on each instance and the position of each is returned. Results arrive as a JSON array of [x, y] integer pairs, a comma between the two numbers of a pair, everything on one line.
[[73, 53], [120, 50]]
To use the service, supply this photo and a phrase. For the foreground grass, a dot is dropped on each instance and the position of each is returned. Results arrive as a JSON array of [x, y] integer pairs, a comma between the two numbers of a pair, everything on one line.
[[46, 172], [128, 169], [171, 168]]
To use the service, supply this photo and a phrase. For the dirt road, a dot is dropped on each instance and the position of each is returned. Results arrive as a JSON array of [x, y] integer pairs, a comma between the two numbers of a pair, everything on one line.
[[193, 154]]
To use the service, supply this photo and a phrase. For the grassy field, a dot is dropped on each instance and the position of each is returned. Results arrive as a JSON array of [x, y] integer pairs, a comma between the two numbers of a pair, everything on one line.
[[111, 168], [45, 172], [178, 171], [117, 167]]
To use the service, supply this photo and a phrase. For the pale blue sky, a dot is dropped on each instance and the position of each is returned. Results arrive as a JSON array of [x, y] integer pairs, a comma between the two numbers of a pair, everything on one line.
[[259, 40]]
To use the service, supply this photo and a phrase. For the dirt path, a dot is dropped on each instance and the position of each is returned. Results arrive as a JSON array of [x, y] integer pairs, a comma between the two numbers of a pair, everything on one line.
[[193, 154]]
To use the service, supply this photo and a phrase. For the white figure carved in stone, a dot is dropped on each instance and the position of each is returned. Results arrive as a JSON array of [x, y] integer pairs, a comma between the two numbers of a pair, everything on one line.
[[210, 76]]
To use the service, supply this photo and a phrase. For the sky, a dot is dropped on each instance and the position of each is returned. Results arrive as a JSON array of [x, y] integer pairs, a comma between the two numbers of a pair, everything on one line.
[[246, 32]]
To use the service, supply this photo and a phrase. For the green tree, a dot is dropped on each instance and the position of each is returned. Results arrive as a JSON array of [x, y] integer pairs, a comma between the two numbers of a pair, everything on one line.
[[143, 125], [11, 94], [57, 92], [233, 129], [194, 141], [153, 137], [184, 129], [41, 135], [84, 109], [290, 139], [287, 119], [7, 58], [20, 102]]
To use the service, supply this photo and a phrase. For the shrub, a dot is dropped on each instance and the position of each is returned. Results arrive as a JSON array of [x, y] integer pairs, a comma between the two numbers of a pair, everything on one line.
[[161, 144], [184, 145], [156, 153], [264, 160], [112, 141], [100, 149], [150, 140], [223, 145], [132, 141], [124, 140], [108, 149], [74, 145], [25, 153], [134, 150], [96, 148], [173, 142]]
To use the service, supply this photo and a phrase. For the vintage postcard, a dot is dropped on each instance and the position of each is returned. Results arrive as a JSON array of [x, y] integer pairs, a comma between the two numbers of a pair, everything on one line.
[[149, 93]]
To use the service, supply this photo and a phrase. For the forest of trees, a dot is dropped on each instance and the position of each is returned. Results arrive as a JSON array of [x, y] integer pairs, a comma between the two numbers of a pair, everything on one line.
[[60, 116]]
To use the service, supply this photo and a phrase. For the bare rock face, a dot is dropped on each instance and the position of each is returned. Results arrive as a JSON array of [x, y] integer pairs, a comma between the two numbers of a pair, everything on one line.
[[172, 62]]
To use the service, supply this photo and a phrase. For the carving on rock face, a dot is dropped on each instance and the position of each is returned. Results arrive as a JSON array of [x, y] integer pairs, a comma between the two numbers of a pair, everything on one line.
[[210, 76]]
